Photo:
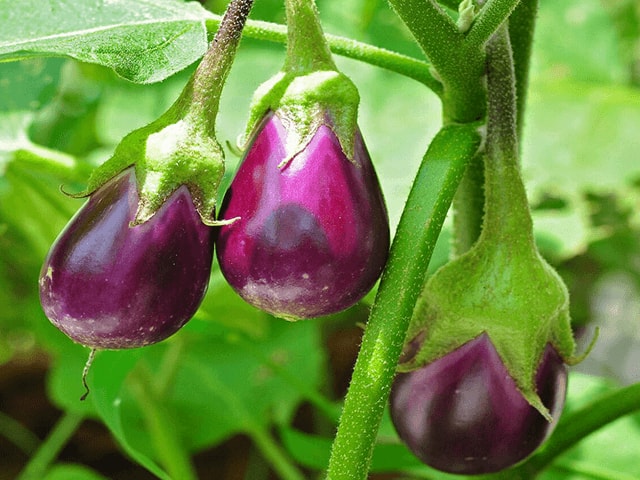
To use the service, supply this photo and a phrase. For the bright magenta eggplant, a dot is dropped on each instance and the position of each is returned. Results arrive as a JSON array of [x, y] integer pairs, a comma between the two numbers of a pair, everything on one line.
[[108, 284], [313, 233]]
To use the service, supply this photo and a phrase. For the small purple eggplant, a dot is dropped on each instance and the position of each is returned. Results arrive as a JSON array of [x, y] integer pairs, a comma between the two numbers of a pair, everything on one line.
[[313, 233], [110, 285], [464, 414]]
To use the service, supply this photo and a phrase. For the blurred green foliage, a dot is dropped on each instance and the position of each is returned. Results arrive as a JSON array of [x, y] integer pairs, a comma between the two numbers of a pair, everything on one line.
[[234, 369]]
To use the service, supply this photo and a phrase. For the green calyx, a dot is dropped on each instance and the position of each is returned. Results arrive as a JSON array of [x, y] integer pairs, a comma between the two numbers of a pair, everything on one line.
[[309, 91], [180, 147], [172, 151], [506, 291], [303, 102]]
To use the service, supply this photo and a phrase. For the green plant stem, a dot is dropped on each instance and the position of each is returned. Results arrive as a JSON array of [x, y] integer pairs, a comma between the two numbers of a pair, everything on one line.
[[459, 69], [169, 450], [49, 449], [521, 29], [410, 67], [468, 206], [203, 95], [507, 216], [419, 227], [493, 14], [469, 200], [276, 457], [307, 49], [17, 434], [169, 366], [577, 425], [591, 471]]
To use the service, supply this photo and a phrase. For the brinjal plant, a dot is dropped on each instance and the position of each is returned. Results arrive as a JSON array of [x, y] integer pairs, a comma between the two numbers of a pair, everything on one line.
[[133, 265], [468, 343], [484, 377], [313, 232]]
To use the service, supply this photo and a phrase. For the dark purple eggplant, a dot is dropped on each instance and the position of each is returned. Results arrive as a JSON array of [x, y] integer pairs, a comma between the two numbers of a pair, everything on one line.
[[313, 233], [464, 414], [110, 285]]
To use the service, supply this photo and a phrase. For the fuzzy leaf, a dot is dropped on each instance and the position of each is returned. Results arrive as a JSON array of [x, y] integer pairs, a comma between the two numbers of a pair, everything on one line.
[[143, 41]]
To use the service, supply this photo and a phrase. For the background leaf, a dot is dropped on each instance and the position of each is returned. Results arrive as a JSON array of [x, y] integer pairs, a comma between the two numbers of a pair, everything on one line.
[[143, 41], [238, 370], [595, 456], [72, 472], [583, 115]]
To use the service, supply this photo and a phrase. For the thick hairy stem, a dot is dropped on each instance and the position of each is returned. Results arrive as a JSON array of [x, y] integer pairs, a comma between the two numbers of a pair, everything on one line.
[[307, 49], [507, 214], [521, 29], [419, 227], [210, 76], [459, 69]]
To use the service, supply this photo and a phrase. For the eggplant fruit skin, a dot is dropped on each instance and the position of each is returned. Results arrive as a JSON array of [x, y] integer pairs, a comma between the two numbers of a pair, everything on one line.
[[463, 413], [313, 233], [110, 285]]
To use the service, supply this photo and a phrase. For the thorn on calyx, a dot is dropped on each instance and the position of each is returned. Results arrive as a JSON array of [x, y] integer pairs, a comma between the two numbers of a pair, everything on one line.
[[85, 372]]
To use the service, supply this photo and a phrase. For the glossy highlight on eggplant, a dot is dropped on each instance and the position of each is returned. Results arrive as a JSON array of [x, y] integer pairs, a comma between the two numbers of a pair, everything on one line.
[[313, 234], [463, 413], [109, 285]]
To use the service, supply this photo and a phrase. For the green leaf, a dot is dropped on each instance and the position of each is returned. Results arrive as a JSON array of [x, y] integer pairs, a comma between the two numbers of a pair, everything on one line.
[[576, 39], [582, 121], [106, 380], [41, 74], [587, 133], [64, 382], [312, 451], [72, 472], [221, 382], [143, 41], [229, 383], [15, 146]]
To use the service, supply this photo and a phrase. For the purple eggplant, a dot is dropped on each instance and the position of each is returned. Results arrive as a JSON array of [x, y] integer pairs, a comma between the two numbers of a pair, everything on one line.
[[313, 233], [464, 414], [110, 285]]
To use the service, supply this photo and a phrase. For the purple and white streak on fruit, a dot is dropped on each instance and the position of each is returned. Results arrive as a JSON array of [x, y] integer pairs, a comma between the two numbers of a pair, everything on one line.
[[313, 234], [110, 285]]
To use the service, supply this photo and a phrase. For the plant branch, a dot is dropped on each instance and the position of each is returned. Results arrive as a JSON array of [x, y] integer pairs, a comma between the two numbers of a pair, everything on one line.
[[18, 434], [410, 67], [459, 69], [307, 49], [49, 449], [273, 453], [452, 4], [402, 280], [168, 448], [435, 32], [521, 29], [577, 425], [493, 14], [212, 72]]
